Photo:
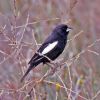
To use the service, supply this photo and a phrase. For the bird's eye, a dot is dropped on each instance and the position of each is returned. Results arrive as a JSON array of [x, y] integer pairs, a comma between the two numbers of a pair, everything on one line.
[[68, 29]]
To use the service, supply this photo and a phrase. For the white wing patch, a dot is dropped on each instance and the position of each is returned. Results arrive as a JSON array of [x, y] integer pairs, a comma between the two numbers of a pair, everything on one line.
[[49, 47]]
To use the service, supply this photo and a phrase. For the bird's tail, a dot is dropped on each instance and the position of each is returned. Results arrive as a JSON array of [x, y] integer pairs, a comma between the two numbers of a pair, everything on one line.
[[28, 70], [32, 66]]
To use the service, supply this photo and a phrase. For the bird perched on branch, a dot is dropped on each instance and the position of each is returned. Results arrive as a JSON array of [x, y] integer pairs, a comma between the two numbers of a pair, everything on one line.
[[52, 47]]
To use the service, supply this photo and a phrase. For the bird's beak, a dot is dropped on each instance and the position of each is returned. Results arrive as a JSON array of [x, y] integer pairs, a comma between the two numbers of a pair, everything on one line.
[[68, 29]]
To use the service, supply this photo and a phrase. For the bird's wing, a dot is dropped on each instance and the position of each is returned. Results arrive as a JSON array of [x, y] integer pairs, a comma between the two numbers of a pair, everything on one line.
[[48, 45], [34, 58], [51, 39], [44, 49], [36, 55]]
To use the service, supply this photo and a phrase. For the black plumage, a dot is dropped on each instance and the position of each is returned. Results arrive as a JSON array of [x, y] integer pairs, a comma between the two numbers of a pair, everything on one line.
[[52, 47]]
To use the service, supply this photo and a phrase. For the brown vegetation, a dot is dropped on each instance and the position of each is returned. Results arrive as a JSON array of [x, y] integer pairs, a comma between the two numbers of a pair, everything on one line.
[[24, 24]]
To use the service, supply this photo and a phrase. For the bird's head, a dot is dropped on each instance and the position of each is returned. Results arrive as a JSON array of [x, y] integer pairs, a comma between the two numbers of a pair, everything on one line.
[[62, 29]]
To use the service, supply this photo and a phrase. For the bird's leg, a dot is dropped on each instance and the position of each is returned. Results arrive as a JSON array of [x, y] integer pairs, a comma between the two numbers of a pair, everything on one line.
[[50, 65], [53, 66], [49, 72]]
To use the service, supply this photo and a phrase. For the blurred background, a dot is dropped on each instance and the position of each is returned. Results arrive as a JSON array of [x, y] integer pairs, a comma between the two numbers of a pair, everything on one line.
[[25, 24]]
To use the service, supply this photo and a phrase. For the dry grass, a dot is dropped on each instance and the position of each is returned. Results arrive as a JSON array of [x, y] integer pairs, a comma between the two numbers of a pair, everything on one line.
[[23, 27]]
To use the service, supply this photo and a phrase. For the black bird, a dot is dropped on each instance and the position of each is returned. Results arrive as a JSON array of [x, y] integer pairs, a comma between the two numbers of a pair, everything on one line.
[[52, 47]]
